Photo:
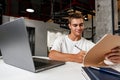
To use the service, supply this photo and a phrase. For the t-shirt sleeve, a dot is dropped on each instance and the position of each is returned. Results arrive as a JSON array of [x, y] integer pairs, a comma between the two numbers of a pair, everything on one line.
[[57, 44]]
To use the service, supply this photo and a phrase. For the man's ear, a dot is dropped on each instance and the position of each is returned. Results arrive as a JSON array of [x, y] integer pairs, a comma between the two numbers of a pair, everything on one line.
[[69, 26]]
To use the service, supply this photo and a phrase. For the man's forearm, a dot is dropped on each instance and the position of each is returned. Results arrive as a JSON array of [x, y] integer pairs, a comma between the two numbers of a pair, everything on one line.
[[55, 55]]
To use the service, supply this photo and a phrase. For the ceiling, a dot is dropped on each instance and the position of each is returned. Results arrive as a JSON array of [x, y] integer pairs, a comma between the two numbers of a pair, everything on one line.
[[46, 10]]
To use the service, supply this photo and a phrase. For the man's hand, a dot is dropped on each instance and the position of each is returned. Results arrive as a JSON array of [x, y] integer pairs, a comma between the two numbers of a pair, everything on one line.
[[80, 56], [114, 55]]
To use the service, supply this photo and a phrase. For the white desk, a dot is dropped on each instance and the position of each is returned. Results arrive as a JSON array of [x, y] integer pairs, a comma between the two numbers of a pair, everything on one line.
[[69, 71]]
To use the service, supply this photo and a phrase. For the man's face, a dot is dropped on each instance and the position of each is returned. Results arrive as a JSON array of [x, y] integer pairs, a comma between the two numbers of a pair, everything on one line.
[[76, 26]]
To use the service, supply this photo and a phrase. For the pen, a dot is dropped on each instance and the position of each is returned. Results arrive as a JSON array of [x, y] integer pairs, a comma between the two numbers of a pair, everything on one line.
[[78, 47], [107, 71]]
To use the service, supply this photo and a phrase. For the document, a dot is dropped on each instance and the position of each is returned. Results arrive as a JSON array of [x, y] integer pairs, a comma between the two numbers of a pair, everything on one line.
[[96, 55]]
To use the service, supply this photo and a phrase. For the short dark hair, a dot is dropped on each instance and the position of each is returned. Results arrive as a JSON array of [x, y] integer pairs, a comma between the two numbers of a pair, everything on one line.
[[74, 16]]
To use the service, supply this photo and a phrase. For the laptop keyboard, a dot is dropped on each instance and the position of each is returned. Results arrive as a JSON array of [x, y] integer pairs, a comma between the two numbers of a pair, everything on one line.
[[38, 62], [41, 63]]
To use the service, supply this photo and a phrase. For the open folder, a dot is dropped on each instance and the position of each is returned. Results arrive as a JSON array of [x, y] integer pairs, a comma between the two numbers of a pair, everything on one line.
[[96, 55], [102, 74]]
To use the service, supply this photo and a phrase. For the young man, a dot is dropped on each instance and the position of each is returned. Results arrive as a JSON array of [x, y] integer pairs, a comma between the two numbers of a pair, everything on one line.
[[73, 46]]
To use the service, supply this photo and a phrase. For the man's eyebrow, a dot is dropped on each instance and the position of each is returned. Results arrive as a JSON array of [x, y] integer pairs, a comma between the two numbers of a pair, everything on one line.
[[78, 24], [81, 23]]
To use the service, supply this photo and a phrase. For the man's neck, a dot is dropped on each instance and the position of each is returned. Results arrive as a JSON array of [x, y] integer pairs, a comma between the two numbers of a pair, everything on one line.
[[74, 38]]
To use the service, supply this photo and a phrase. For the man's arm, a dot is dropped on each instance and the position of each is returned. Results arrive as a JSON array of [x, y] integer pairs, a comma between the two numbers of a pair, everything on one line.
[[56, 55]]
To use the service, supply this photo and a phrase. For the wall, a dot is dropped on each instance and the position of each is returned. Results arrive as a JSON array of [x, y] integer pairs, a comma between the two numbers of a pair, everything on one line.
[[88, 27], [118, 10], [54, 31], [104, 17], [40, 36]]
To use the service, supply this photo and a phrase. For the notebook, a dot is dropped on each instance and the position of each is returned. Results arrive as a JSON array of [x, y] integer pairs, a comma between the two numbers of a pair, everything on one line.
[[96, 55], [95, 74], [15, 48]]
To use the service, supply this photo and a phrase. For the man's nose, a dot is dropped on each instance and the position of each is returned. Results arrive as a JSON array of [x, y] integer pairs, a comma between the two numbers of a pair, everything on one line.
[[79, 27]]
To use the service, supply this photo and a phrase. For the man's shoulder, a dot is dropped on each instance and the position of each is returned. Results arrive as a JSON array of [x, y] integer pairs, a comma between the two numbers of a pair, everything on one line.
[[62, 37], [87, 41]]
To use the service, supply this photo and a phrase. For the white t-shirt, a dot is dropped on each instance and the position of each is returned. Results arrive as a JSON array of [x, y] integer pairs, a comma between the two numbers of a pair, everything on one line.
[[66, 45]]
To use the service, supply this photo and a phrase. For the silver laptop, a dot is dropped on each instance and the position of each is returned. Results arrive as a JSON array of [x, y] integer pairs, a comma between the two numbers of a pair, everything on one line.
[[15, 48]]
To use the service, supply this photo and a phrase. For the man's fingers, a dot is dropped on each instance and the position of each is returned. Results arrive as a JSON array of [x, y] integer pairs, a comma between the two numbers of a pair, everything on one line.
[[117, 47]]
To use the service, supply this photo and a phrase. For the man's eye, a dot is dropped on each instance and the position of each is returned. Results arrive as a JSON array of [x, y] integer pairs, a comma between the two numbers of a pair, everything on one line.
[[75, 25], [81, 25]]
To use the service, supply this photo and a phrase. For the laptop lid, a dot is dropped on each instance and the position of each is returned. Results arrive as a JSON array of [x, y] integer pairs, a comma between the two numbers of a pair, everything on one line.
[[15, 46]]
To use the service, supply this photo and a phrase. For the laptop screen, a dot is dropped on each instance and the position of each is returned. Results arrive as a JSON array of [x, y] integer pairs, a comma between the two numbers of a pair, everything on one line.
[[15, 46]]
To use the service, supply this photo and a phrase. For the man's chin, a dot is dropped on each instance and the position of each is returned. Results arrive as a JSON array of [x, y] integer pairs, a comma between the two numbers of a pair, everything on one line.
[[78, 35]]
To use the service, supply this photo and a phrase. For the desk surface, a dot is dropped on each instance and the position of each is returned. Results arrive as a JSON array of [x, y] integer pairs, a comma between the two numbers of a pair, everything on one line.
[[69, 71]]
